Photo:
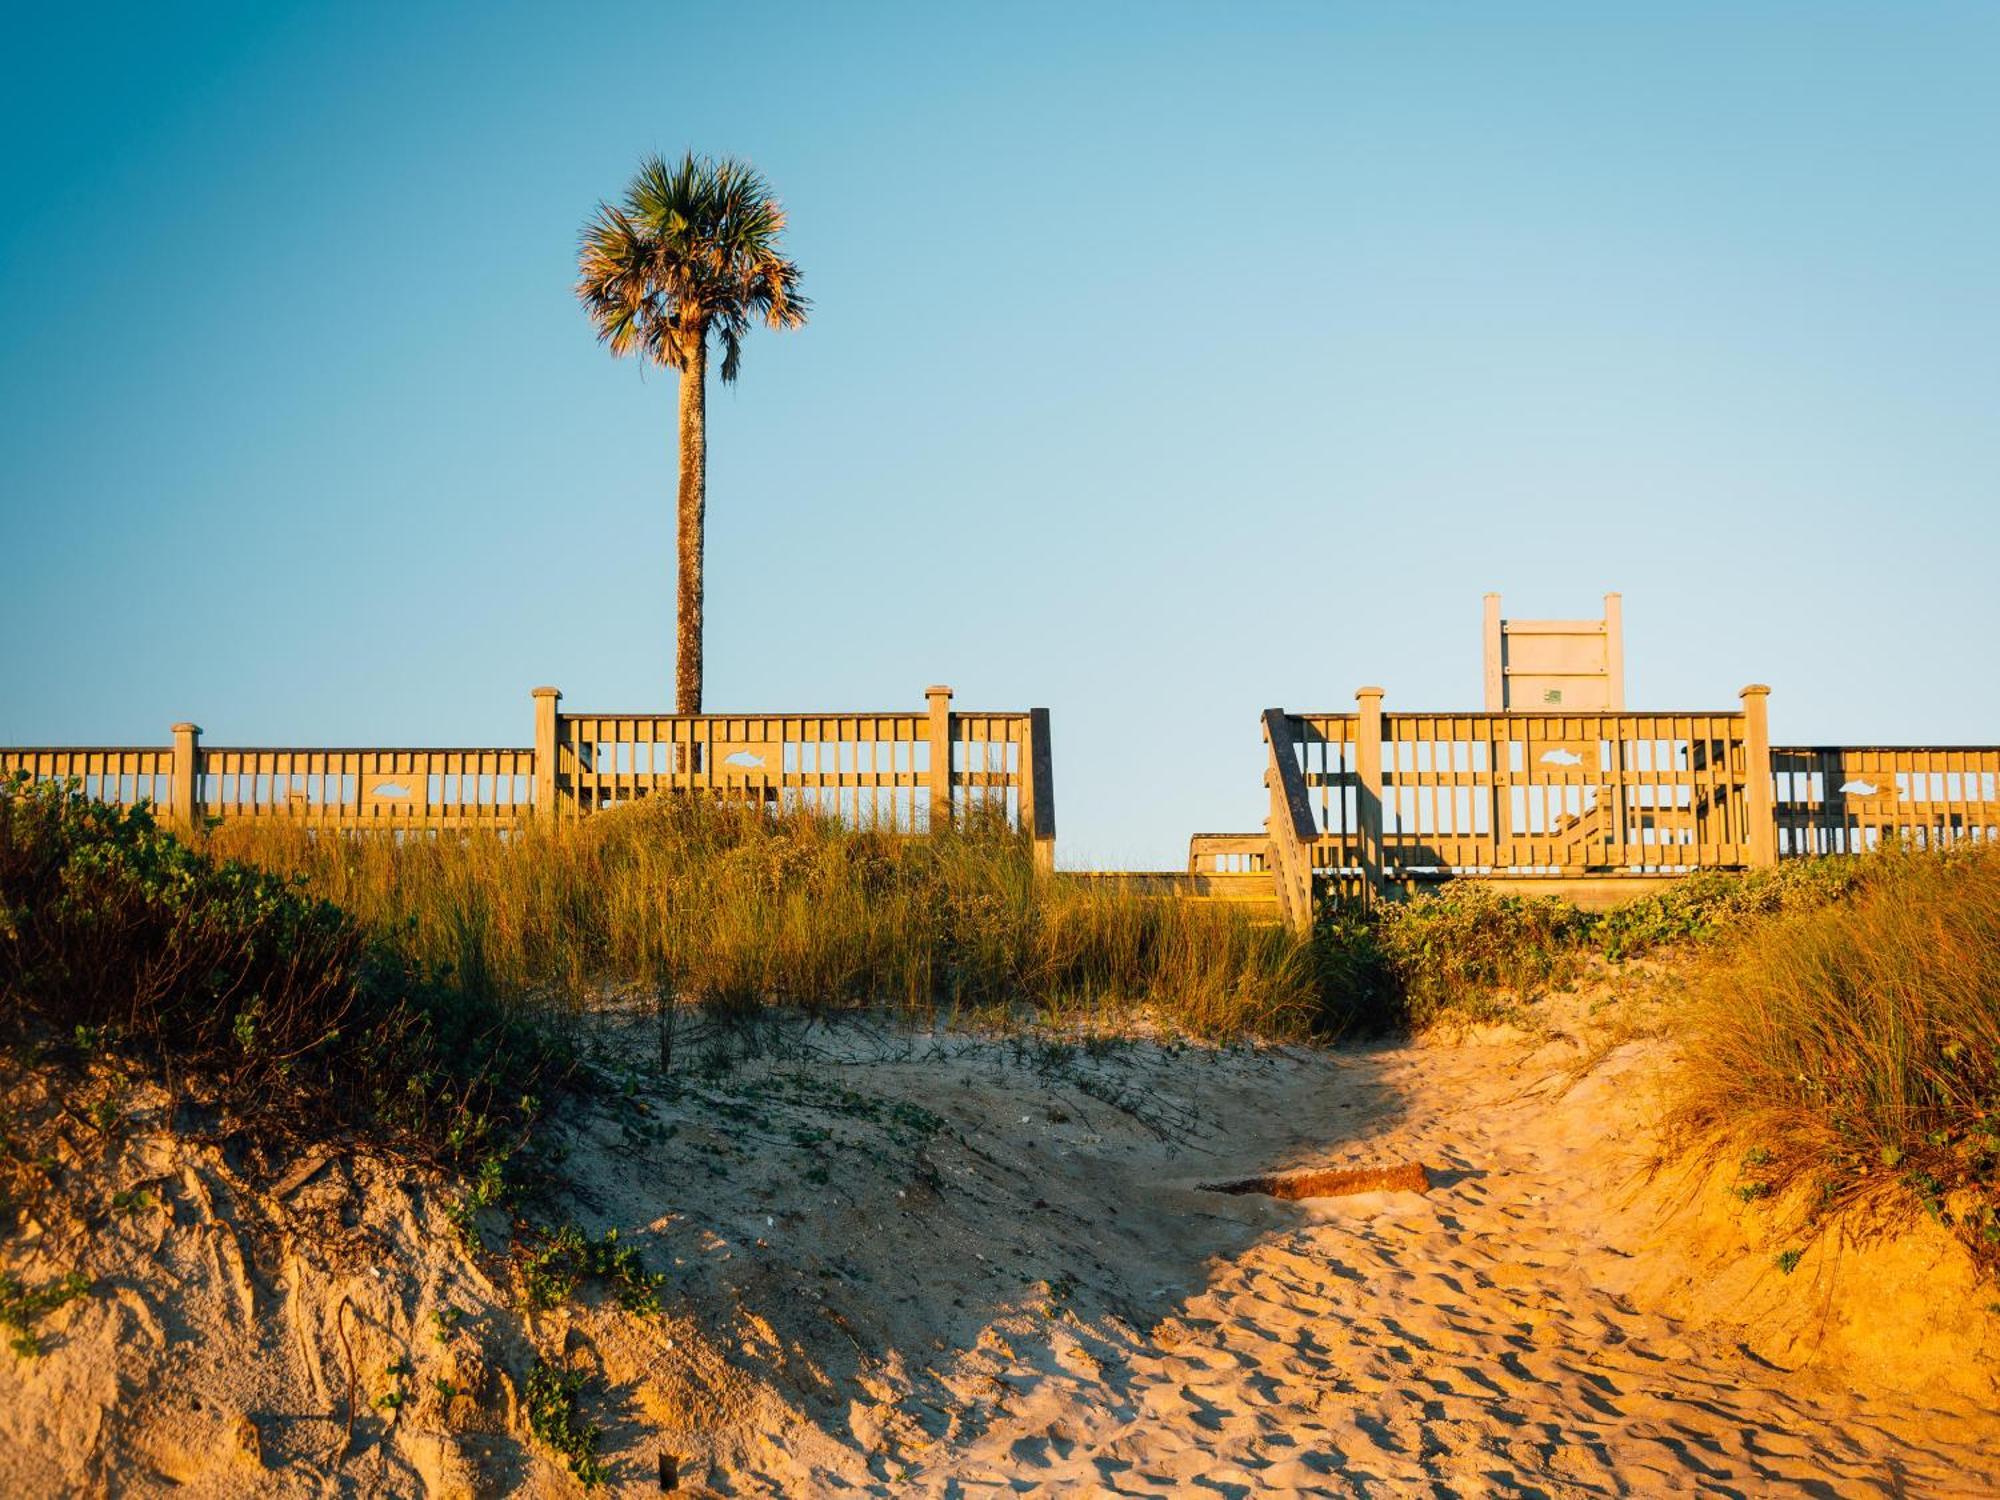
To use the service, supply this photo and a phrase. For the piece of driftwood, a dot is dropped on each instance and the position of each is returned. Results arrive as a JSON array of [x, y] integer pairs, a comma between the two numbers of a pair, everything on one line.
[[1331, 1182]]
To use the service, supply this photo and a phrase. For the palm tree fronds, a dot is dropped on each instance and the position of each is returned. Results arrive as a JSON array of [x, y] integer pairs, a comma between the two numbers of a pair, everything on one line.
[[692, 252]]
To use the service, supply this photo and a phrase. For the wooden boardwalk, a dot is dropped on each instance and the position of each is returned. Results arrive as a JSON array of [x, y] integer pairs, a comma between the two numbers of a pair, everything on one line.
[[1595, 806]]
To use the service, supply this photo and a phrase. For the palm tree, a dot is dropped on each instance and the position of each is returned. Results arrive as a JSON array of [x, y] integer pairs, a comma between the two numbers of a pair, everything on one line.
[[689, 255]]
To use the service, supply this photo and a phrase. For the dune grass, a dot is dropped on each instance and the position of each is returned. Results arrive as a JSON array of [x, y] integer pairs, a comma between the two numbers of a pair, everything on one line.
[[734, 908], [1843, 1028], [1850, 1053]]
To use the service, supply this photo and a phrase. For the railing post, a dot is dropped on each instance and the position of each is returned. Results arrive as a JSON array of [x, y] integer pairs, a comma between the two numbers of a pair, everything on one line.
[[1760, 809], [1614, 651], [1495, 654], [546, 699], [187, 774], [939, 700], [1038, 790], [1368, 780]]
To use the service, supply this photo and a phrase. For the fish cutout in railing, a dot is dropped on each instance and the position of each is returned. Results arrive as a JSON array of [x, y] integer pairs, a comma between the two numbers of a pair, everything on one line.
[[391, 791], [756, 760], [1559, 757], [1858, 788]]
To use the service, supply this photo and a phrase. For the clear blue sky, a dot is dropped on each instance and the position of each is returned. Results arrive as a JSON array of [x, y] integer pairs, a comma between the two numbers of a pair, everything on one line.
[[1167, 363]]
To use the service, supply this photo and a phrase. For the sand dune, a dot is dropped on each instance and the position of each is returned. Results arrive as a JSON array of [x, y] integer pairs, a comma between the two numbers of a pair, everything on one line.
[[954, 1266]]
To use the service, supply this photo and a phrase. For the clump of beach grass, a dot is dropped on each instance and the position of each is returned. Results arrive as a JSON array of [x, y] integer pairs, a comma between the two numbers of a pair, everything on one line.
[[736, 907], [1850, 1054]]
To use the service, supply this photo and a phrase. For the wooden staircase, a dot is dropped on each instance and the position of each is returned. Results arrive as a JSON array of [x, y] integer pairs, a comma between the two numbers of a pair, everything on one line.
[[1233, 868], [1226, 869]]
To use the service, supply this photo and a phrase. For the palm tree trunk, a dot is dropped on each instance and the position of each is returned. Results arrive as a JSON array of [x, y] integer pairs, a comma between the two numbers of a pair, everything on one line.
[[693, 515]]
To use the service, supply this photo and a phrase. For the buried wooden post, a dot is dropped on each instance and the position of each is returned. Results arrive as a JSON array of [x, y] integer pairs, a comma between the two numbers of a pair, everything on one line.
[[1368, 784], [546, 699], [939, 700], [1760, 810], [186, 784]]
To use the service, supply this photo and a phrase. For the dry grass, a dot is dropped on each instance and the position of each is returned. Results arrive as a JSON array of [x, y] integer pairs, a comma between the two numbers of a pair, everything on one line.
[[736, 909], [1851, 1053]]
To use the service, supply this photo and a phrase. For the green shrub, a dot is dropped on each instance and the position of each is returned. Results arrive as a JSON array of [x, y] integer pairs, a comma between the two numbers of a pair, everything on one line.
[[1473, 951], [1708, 905], [269, 998], [1467, 948]]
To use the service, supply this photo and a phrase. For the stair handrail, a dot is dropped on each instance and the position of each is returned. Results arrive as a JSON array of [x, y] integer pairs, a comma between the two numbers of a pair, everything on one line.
[[1290, 827]]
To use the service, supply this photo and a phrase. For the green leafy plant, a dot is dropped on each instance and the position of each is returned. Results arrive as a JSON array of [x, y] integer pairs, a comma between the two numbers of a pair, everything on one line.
[[270, 999], [567, 1256], [400, 1370], [487, 1188], [22, 1306], [553, 1416], [1473, 952]]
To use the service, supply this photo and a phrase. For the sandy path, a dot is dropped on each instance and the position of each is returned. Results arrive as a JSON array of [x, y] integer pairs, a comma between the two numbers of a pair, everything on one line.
[[956, 1266], [1477, 1341]]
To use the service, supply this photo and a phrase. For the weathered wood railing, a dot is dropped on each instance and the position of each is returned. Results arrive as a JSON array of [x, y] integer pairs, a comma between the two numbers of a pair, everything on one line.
[[1368, 802], [1403, 798], [1846, 800], [1591, 805], [1293, 833], [912, 771], [1228, 854]]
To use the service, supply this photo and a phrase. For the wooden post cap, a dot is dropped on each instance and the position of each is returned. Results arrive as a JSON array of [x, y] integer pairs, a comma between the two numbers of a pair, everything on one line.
[[1757, 689], [1368, 692], [186, 728], [548, 692], [937, 690]]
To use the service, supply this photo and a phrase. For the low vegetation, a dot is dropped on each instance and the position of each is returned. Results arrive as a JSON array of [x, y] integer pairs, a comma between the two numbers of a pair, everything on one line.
[[1842, 1025], [567, 1257], [1849, 1055], [734, 909], [1472, 952], [555, 1416], [119, 940], [22, 1306]]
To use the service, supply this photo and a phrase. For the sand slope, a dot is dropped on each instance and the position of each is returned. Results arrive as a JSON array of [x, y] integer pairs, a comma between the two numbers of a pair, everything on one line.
[[919, 1265]]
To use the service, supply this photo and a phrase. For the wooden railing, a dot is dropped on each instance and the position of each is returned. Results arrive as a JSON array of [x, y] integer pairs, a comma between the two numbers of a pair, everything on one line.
[[367, 788], [1228, 854], [121, 774], [1365, 801], [1293, 834], [1847, 800], [1368, 802], [910, 771]]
